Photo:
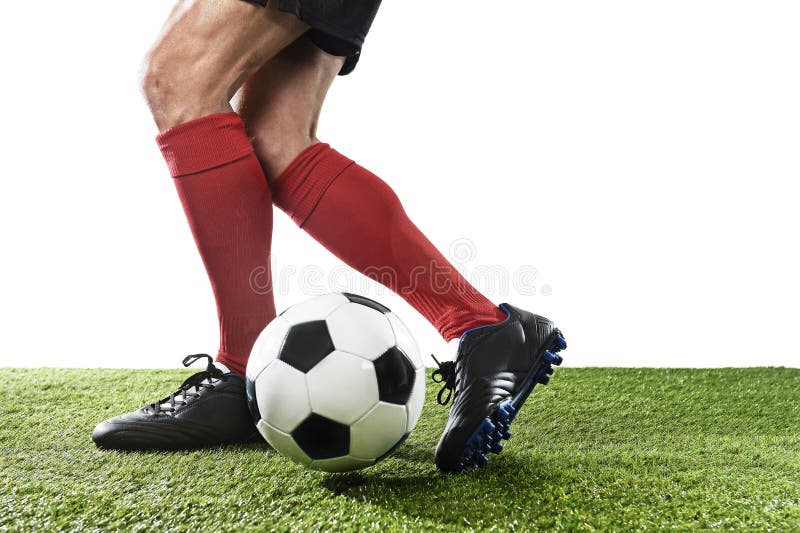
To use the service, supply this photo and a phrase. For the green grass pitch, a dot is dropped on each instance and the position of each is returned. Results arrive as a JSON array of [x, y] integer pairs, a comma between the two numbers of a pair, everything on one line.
[[598, 449]]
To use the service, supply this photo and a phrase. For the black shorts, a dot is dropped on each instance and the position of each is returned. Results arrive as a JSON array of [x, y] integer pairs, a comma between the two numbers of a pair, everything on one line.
[[338, 27]]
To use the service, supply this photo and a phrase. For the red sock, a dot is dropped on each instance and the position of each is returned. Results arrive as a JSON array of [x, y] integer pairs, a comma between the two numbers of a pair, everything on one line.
[[358, 217], [229, 208]]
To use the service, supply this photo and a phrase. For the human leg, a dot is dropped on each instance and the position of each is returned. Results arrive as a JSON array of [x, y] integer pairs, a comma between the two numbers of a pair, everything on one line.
[[504, 352], [349, 210], [206, 50]]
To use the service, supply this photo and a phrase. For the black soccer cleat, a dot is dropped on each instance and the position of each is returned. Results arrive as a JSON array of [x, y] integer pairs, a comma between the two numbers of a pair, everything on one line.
[[208, 409], [495, 370]]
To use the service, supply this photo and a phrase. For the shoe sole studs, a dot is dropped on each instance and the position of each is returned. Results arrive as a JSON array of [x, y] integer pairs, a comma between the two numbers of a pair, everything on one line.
[[496, 428]]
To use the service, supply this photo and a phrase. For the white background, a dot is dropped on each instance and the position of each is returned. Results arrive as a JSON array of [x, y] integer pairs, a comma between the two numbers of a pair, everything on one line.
[[642, 156]]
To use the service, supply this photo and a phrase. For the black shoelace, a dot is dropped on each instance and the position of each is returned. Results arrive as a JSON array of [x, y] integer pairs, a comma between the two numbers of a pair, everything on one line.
[[198, 381], [446, 374]]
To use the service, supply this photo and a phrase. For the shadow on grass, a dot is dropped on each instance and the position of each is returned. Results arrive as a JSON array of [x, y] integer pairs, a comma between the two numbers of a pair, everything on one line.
[[416, 489], [233, 448], [414, 453]]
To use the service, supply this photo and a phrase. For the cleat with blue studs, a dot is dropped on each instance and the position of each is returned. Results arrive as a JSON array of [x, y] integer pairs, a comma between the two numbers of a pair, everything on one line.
[[496, 369]]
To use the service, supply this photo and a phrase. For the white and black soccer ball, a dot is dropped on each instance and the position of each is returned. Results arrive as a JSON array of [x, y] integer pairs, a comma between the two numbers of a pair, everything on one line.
[[336, 383]]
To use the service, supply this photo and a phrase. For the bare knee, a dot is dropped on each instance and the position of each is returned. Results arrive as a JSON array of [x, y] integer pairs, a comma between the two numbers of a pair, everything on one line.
[[175, 92], [206, 51], [154, 86]]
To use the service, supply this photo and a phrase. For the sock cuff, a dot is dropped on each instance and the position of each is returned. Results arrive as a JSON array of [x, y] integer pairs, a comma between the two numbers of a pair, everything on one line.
[[300, 187], [204, 143]]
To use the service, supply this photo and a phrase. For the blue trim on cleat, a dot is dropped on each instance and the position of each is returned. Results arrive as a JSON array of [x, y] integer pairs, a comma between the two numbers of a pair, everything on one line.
[[488, 437]]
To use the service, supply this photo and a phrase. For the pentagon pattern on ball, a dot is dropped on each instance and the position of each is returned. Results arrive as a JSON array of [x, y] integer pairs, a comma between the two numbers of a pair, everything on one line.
[[396, 376], [322, 438], [306, 345], [336, 383], [283, 442], [363, 300], [267, 347]]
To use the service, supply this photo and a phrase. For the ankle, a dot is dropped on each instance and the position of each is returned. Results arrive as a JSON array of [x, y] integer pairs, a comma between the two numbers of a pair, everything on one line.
[[478, 318]]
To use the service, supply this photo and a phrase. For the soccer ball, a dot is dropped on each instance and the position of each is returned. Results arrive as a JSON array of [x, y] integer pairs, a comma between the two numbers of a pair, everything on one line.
[[336, 383]]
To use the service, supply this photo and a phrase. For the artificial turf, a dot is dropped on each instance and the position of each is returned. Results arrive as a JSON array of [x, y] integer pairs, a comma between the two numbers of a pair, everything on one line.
[[598, 449]]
